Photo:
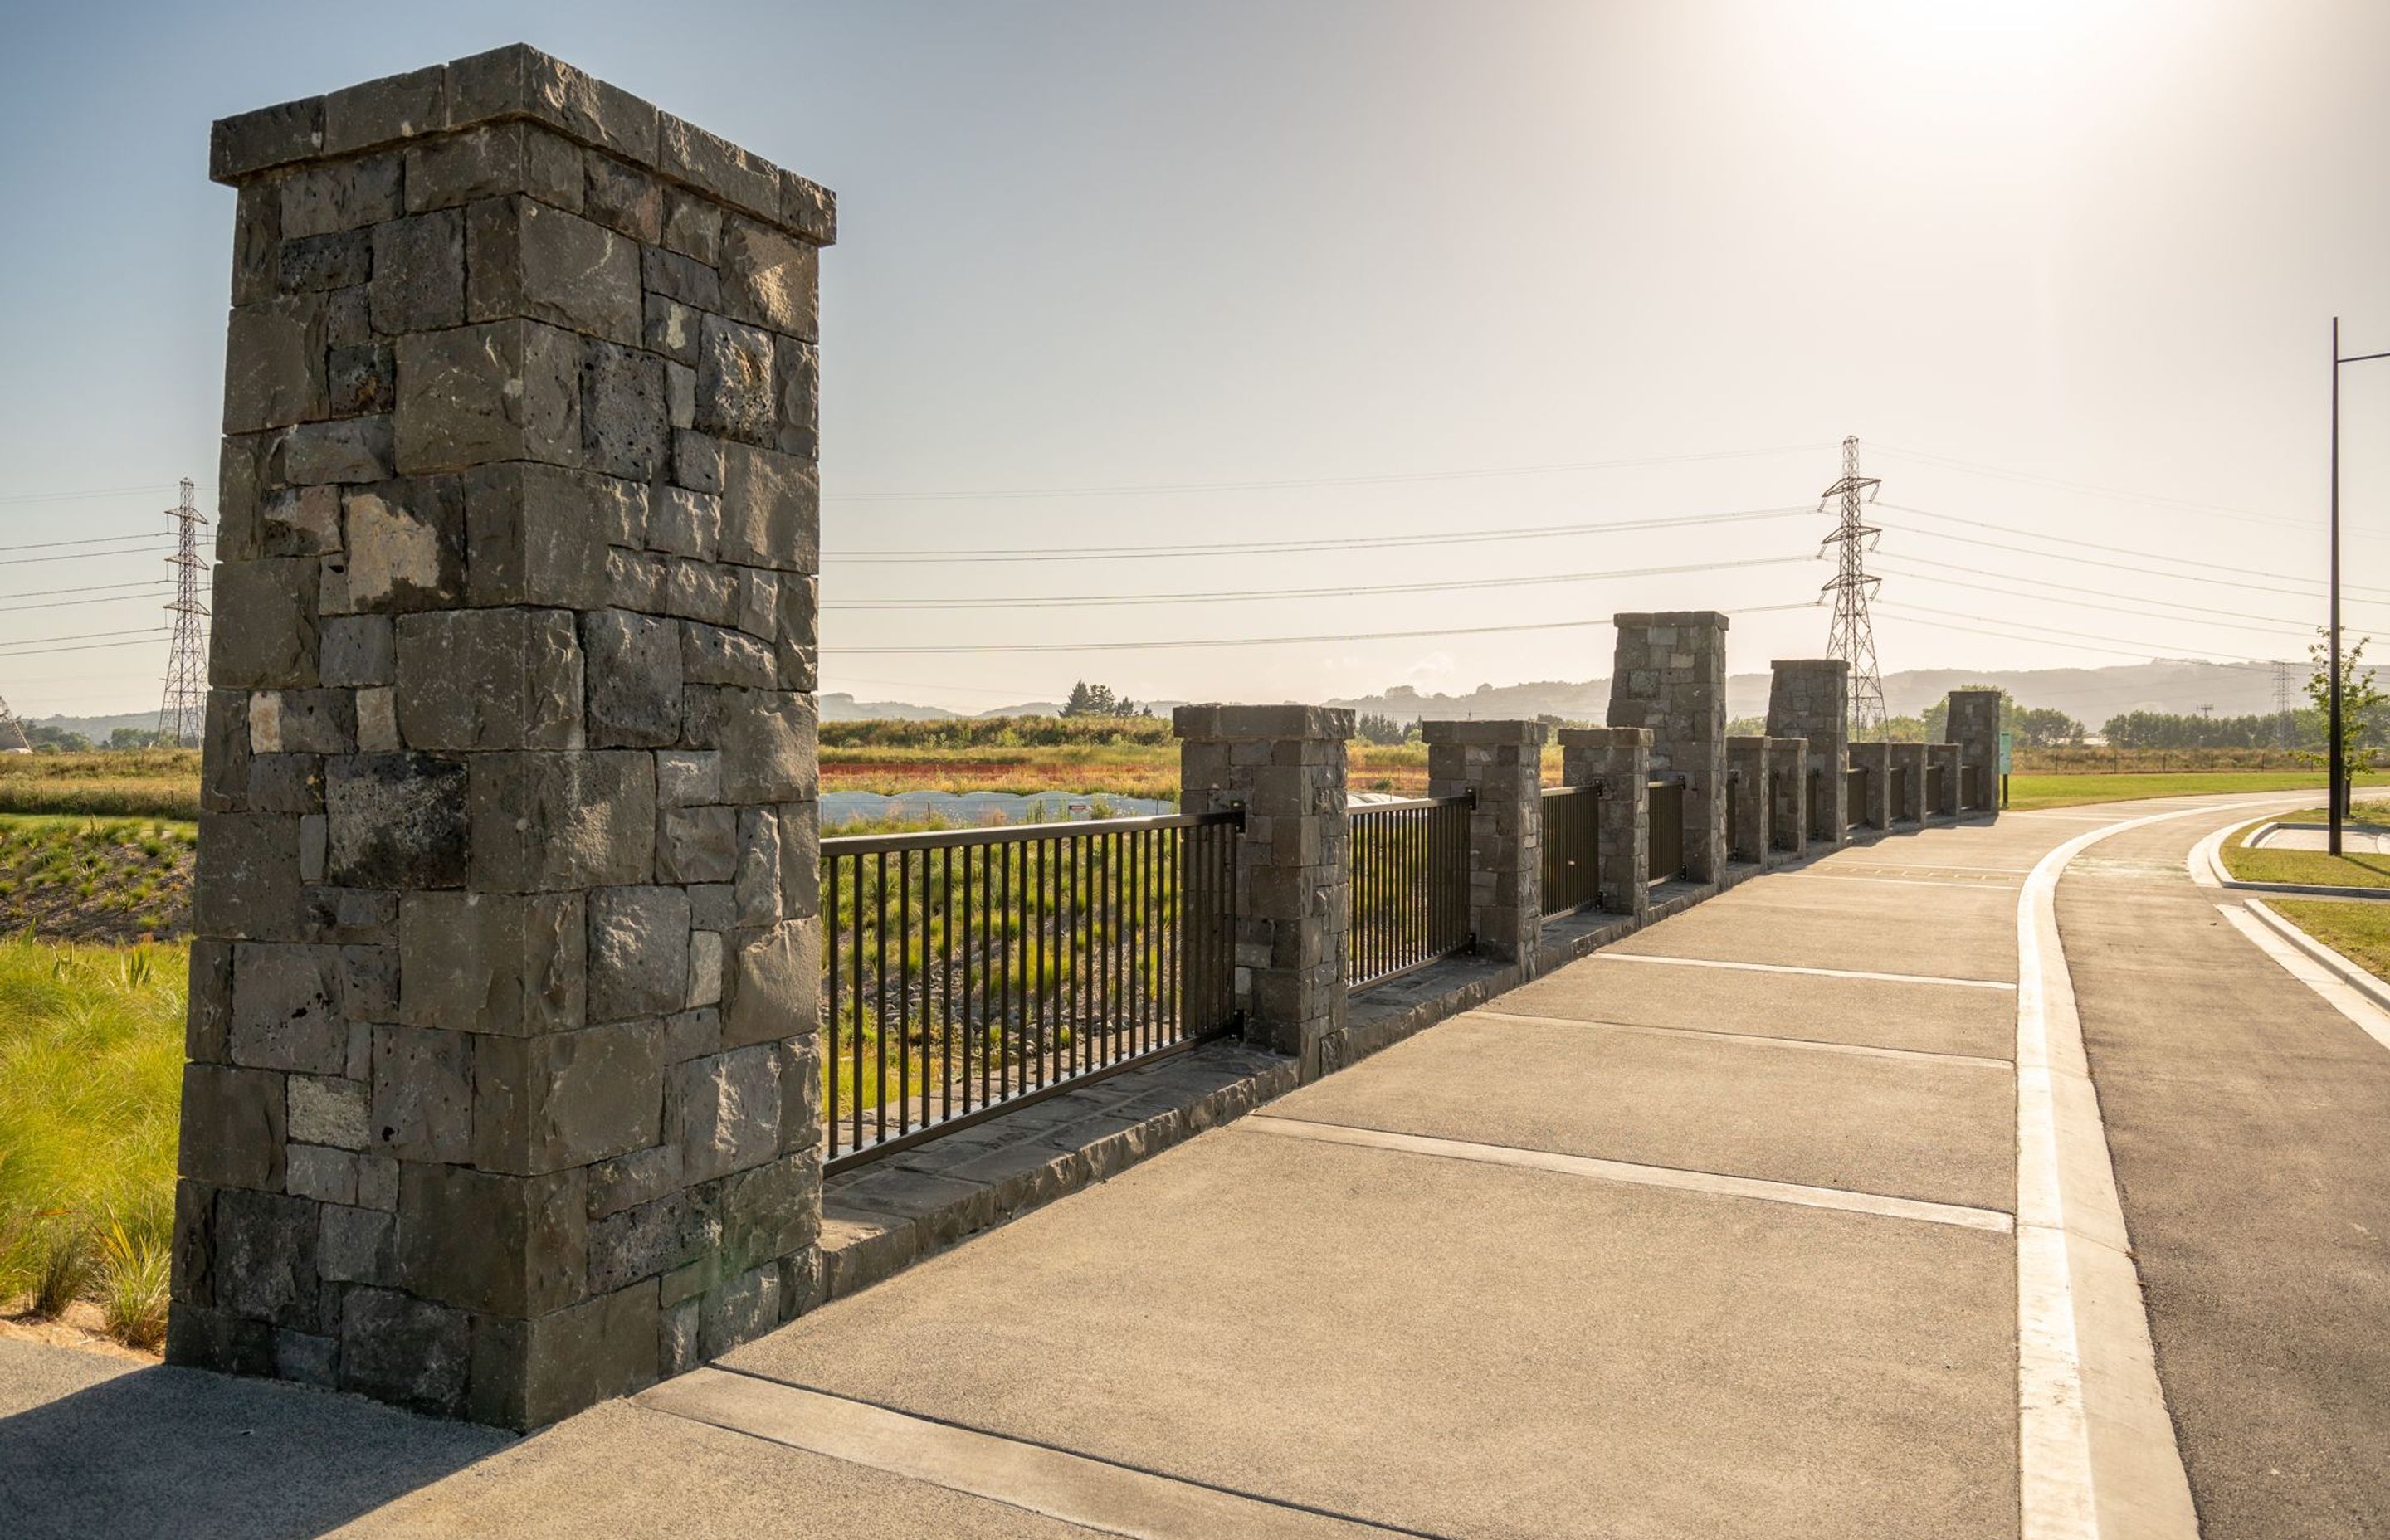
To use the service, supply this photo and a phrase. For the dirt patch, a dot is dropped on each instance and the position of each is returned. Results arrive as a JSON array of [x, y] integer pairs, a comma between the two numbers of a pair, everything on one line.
[[116, 880]]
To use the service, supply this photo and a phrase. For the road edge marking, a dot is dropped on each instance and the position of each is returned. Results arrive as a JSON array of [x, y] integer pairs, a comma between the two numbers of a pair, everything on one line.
[[2344, 986], [1757, 1039], [2095, 1451], [1673, 1178]]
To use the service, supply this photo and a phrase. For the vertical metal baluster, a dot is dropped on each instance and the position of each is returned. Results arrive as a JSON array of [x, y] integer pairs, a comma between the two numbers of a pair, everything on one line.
[[946, 984], [1005, 1040], [830, 994]]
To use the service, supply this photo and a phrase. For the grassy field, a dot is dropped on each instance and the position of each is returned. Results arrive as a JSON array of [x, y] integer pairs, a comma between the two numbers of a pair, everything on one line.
[[90, 1059], [155, 783], [97, 880], [2356, 929], [2350, 869], [2027, 792]]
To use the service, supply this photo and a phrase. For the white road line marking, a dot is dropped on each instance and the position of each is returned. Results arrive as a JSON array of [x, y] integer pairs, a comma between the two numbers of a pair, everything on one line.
[[1813, 1044], [1910, 882], [1098, 1495], [2095, 1451], [2295, 950], [1812, 972], [1711, 1183], [1927, 867]]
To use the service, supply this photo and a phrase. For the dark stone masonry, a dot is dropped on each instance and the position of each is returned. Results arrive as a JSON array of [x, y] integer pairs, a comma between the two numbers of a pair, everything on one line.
[[503, 1068]]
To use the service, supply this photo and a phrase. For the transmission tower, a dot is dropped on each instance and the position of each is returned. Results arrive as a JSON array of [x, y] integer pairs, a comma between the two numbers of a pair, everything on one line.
[[179, 717], [12, 733], [2286, 724], [1853, 638]]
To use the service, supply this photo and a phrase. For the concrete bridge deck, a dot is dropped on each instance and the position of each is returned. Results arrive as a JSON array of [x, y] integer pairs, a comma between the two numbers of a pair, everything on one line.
[[1715, 1233]]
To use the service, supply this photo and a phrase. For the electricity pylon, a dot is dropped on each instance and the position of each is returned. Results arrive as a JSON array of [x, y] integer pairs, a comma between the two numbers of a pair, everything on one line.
[[1853, 638], [182, 714]]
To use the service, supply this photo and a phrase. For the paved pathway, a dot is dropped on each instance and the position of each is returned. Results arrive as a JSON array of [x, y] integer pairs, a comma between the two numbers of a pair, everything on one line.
[[1723, 1232]]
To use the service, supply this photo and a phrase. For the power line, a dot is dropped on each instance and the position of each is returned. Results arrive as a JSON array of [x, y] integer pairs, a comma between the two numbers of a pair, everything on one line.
[[1361, 591], [1351, 543], [80, 636], [1258, 641], [143, 638], [2259, 622], [1301, 483], [2155, 499], [83, 494], [2146, 649], [2095, 545]]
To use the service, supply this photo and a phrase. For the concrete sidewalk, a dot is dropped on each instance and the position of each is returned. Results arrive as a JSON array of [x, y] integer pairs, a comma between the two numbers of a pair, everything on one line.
[[1712, 1234]]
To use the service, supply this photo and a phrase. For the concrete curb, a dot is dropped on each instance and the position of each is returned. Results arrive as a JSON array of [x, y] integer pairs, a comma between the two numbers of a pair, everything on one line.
[[2205, 865], [2351, 974]]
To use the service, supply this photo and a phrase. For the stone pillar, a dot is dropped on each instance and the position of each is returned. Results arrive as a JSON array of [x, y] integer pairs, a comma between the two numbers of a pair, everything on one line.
[[1909, 759], [1973, 723], [1749, 765], [1618, 760], [1502, 763], [1945, 757], [1285, 767], [1875, 811], [1788, 816], [503, 1076], [1670, 677], [1810, 698]]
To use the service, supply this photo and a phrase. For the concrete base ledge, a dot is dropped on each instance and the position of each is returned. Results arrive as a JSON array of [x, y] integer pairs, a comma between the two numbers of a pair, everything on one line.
[[879, 1218]]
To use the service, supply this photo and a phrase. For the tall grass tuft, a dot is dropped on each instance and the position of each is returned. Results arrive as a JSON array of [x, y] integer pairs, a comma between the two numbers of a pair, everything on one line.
[[91, 1057]]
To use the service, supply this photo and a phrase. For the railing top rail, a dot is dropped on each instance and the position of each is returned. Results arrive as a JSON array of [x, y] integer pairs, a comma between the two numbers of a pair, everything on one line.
[[1667, 778], [1353, 810], [941, 839], [1593, 791]]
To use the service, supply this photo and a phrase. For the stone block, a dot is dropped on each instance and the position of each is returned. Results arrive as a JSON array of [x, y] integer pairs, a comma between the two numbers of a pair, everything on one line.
[[567, 1099], [699, 591], [689, 778], [421, 1107], [548, 821], [302, 722], [234, 1127], [715, 655], [634, 581], [355, 1244], [408, 1350], [327, 1176], [496, 963], [341, 195], [692, 225], [808, 208], [635, 672], [767, 739], [756, 887], [273, 646], [640, 1176], [377, 719], [624, 422], [327, 1109], [500, 390], [800, 860], [687, 523], [735, 398], [250, 142], [797, 368], [638, 952], [520, 80], [247, 880], [526, 259], [740, 1310], [698, 462], [404, 545], [624, 197], [286, 1008], [769, 279], [651, 1238], [587, 1353], [317, 263], [381, 111], [419, 282], [773, 985], [266, 1257], [538, 534], [718, 166], [532, 1238], [363, 379], [348, 451], [696, 844], [489, 679], [457, 169], [397, 821], [724, 1112], [358, 650], [208, 1024]]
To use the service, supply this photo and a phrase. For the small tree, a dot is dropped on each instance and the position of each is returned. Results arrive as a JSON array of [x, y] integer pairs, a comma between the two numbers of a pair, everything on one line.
[[2360, 702], [1097, 700]]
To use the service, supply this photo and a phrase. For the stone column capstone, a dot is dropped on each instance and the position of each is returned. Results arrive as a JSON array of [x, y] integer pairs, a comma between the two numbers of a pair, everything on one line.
[[1973, 723], [1670, 677], [1618, 760], [504, 1073], [1502, 763], [1810, 698], [1284, 765]]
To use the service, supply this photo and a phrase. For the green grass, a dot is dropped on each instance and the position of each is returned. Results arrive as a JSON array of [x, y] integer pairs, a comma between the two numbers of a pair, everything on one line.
[[2352, 870], [91, 1060], [2356, 929], [2027, 792]]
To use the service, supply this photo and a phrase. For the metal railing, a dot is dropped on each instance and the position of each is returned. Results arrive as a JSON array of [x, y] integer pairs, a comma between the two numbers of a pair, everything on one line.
[[967, 971], [1572, 848], [1734, 850], [1667, 841], [1971, 787], [1938, 785], [1896, 808], [1854, 789], [1409, 886], [1821, 825]]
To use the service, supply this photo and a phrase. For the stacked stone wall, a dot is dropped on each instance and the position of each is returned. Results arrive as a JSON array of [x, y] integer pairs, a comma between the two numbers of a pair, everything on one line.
[[503, 1077], [1501, 763], [1669, 678], [1809, 698]]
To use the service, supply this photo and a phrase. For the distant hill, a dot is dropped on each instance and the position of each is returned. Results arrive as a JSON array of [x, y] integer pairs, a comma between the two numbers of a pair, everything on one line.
[[96, 729], [837, 706]]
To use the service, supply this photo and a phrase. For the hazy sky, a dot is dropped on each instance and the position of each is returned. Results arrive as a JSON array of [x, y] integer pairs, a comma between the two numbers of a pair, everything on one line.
[[1207, 273]]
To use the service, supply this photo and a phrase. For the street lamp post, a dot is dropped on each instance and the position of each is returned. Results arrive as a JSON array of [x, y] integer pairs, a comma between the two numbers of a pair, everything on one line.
[[2337, 775]]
